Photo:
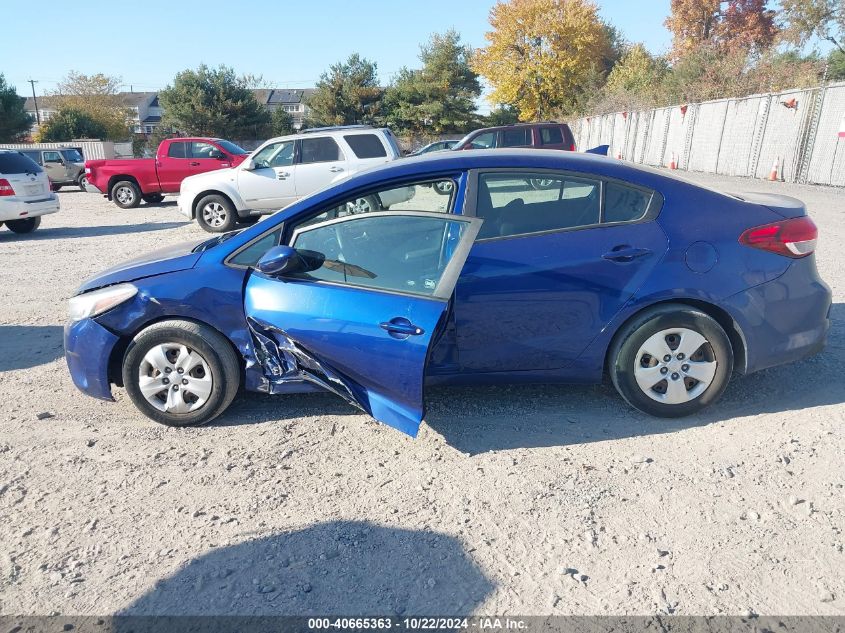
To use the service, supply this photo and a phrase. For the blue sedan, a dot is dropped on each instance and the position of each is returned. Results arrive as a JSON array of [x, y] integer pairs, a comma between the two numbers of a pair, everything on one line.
[[535, 266]]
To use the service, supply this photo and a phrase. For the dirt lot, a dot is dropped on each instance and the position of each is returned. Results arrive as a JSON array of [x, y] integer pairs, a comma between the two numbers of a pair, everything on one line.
[[527, 500]]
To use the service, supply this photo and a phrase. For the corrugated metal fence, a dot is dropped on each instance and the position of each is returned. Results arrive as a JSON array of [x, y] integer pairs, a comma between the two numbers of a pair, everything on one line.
[[803, 131], [91, 150]]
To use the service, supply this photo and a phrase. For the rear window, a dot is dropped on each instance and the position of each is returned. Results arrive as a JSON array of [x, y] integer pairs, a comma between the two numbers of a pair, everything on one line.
[[365, 145], [17, 163], [176, 150]]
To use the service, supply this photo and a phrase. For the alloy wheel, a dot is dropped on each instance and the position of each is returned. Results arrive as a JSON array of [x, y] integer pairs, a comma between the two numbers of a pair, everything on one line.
[[174, 378], [124, 195], [675, 366], [214, 214]]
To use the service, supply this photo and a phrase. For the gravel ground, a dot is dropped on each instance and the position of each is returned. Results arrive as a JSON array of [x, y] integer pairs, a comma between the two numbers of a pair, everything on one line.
[[527, 500]]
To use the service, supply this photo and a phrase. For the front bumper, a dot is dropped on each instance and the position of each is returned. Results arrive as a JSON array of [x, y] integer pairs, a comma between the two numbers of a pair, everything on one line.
[[88, 347], [185, 205], [16, 209]]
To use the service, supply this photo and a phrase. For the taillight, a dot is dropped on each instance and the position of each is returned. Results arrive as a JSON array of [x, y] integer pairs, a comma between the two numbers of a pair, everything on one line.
[[795, 237], [572, 147], [6, 188]]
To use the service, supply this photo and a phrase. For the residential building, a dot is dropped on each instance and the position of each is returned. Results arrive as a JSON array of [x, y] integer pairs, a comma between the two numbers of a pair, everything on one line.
[[292, 100]]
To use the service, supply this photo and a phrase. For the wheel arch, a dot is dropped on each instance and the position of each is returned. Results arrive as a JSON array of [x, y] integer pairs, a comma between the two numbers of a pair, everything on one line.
[[720, 315], [118, 353], [212, 192], [113, 180]]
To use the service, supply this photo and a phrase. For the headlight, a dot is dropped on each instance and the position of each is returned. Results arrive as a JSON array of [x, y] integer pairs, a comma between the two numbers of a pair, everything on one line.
[[93, 303]]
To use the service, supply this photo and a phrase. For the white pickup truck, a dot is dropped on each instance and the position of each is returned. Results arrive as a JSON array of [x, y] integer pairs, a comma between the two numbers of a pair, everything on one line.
[[285, 169]]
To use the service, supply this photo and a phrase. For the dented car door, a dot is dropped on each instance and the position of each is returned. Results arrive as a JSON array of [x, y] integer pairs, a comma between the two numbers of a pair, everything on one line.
[[361, 324]]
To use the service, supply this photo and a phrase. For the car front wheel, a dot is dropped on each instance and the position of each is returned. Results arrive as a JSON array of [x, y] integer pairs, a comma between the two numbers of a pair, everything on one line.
[[216, 214], [181, 373], [671, 361], [24, 226]]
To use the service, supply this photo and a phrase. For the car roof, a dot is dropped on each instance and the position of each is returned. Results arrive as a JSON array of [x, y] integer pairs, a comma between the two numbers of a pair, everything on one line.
[[496, 128]]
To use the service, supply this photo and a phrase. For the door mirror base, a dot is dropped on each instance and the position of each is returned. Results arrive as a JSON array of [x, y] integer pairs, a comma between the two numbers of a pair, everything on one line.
[[248, 165]]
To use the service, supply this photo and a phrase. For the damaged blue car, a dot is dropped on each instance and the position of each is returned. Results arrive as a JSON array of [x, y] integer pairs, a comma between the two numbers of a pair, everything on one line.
[[498, 267]]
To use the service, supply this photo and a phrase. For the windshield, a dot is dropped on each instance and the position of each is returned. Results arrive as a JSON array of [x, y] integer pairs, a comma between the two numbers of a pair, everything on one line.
[[73, 155], [230, 147]]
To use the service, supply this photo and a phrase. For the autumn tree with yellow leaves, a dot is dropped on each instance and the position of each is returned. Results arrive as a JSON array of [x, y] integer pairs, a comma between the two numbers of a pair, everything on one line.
[[542, 54]]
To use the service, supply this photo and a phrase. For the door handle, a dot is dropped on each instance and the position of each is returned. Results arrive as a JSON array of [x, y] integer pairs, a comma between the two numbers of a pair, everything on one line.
[[401, 328], [335, 169], [625, 253], [282, 175], [194, 163]]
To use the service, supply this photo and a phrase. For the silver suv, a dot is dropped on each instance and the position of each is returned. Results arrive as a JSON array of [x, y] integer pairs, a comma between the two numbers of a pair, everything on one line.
[[64, 166]]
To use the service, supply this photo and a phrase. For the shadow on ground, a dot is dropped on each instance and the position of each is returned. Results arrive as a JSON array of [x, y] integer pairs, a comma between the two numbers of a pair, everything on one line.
[[490, 418], [343, 568], [47, 233], [25, 346]]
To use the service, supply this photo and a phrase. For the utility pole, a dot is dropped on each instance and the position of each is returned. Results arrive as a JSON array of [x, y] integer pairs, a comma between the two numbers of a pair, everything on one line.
[[37, 113]]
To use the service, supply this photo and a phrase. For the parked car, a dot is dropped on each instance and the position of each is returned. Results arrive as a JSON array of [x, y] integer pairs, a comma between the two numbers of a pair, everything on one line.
[[128, 182], [436, 146], [547, 135], [25, 193], [666, 286], [64, 166], [285, 169]]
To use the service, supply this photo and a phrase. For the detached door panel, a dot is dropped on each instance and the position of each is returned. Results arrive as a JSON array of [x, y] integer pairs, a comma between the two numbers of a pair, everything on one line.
[[362, 324]]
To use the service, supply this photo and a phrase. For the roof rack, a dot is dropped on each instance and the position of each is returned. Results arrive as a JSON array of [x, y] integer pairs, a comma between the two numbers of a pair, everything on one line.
[[332, 128]]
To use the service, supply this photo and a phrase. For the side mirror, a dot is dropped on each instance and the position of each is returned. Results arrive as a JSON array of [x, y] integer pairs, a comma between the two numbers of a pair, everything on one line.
[[286, 260], [218, 155], [248, 165]]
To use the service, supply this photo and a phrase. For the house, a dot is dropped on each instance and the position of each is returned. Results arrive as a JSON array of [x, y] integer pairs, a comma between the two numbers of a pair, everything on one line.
[[292, 100], [145, 112]]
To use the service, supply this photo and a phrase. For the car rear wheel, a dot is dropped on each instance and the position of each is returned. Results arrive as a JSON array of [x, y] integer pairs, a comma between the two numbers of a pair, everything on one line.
[[82, 183], [152, 198], [24, 226], [181, 373], [216, 214], [126, 194], [671, 361]]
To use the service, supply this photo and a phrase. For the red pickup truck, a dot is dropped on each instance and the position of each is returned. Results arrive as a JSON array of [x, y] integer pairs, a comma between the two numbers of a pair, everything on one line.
[[127, 182]]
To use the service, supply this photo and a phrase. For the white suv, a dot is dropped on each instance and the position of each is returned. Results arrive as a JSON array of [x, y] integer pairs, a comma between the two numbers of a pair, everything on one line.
[[285, 169], [25, 193]]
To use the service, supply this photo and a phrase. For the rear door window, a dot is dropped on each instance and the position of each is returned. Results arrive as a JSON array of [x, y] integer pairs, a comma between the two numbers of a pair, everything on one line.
[[177, 150], [366, 145], [625, 204], [52, 157], [518, 137], [320, 150], [17, 163]]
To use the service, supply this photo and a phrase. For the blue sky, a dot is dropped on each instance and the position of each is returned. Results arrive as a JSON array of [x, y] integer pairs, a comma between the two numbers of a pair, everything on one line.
[[289, 43]]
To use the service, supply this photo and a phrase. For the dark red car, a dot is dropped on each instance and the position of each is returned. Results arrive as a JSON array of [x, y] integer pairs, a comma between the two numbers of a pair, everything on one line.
[[127, 182], [546, 135]]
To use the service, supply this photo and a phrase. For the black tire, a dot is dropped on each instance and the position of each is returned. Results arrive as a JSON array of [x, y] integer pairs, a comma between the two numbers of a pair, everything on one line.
[[216, 214], [152, 198], [55, 187], [82, 182], [627, 344], [126, 194], [212, 346], [444, 187], [24, 226]]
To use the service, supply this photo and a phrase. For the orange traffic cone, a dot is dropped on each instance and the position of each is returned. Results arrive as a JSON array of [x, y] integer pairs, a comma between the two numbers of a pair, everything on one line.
[[773, 175], [618, 155], [673, 164]]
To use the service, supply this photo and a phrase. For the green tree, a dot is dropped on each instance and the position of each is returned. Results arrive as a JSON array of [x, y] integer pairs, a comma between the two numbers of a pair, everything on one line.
[[281, 122], [836, 66], [440, 97], [638, 72], [69, 124], [502, 115], [214, 102], [348, 93], [14, 120]]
